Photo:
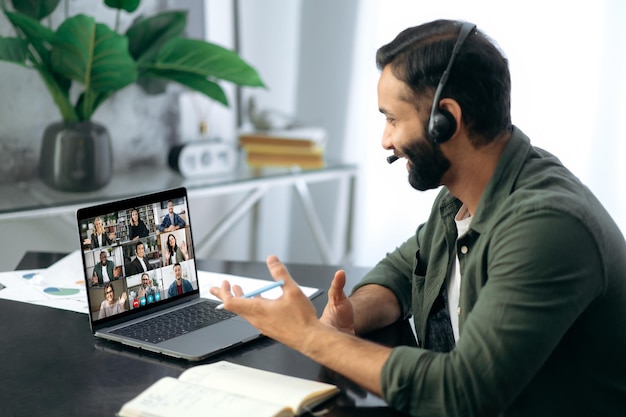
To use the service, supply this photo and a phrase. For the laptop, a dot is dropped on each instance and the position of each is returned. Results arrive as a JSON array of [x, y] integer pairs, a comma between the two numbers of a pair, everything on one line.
[[142, 282]]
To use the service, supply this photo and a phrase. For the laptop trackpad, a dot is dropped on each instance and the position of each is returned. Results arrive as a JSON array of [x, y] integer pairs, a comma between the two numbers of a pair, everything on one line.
[[213, 338]]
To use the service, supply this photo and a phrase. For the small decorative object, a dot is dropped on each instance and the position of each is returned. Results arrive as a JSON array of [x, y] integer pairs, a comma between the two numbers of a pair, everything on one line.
[[76, 153]]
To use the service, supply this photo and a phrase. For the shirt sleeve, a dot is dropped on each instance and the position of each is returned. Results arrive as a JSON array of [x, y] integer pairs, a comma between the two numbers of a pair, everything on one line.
[[395, 273]]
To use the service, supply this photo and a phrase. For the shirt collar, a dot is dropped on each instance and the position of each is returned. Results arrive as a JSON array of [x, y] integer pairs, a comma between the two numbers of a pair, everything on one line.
[[500, 185]]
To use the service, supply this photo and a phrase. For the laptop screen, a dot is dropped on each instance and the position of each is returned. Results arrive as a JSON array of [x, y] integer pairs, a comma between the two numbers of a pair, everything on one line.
[[137, 254]]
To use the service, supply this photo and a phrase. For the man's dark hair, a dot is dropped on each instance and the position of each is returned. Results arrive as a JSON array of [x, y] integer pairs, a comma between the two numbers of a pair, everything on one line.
[[479, 79]]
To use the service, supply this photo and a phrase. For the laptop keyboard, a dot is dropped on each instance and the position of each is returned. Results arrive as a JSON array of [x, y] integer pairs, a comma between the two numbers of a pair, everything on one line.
[[176, 323]]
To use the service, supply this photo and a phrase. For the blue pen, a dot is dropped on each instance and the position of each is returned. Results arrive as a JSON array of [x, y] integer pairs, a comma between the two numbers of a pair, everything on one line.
[[258, 291]]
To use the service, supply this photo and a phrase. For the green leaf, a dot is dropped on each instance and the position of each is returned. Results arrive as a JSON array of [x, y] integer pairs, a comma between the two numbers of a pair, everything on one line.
[[128, 5], [93, 55], [60, 95], [197, 57], [39, 38], [195, 82], [34, 33], [147, 35], [89, 101], [37, 9], [13, 50]]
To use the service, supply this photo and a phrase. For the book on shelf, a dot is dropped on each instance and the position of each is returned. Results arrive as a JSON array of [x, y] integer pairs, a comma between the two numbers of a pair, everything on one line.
[[227, 389], [283, 150], [260, 160], [296, 138], [302, 147]]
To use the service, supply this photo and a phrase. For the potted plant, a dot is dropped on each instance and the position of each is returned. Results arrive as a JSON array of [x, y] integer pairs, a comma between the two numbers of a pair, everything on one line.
[[76, 152]]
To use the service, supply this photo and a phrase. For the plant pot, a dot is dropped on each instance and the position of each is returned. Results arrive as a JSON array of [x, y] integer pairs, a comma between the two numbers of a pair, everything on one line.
[[76, 156]]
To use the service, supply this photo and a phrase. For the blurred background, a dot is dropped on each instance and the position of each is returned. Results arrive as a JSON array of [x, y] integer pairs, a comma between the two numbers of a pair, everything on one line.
[[316, 57]]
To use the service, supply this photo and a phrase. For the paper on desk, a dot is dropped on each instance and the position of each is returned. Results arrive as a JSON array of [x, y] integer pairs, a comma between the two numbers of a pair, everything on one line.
[[62, 285], [214, 279]]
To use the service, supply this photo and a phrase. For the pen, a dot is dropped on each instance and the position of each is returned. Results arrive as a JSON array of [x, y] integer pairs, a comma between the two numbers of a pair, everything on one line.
[[258, 291]]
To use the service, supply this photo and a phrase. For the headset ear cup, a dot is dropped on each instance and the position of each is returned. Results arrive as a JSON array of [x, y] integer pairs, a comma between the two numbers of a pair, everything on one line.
[[441, 126]]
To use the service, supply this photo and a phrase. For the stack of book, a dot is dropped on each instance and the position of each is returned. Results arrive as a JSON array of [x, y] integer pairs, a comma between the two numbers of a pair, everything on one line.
[[303, 148]]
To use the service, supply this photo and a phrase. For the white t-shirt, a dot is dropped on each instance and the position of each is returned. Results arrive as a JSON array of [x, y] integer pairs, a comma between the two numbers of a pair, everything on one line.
[[462, 220], [105, 274]]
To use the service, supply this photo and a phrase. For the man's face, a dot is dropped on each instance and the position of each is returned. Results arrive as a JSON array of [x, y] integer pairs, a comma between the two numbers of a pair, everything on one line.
[[140, 250], [103, 258], [178, 272], [170, 207], [145, 281], [405, 133]]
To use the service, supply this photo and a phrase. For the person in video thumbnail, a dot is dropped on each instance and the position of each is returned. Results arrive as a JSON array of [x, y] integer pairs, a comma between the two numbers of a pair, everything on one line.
[[171, 221], [147, 290], [137, 228], [103, 271], [180, 285], [140, 263], [99, 238], [175, 253], [110, 306]]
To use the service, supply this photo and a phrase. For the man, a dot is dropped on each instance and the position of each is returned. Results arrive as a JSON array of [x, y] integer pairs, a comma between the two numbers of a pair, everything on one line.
[[180, 285], [517, 281], [171, 221], [103, 272], [139, 264], [147, 292]]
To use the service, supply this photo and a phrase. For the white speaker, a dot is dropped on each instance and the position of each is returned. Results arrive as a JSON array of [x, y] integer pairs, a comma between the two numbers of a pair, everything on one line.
[[203, 158]]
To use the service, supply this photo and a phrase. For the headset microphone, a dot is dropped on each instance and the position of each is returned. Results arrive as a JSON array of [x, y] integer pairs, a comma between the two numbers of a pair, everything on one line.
[[392, 158]]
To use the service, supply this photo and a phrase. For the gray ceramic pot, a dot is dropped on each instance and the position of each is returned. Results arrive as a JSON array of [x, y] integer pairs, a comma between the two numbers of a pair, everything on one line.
[[76, 156]]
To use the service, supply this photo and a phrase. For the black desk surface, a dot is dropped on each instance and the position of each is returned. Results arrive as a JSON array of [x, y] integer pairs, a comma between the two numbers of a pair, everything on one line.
[[51, 365]]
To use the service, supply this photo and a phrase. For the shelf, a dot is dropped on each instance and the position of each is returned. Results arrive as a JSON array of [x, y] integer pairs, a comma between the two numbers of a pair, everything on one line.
[[34, 200]]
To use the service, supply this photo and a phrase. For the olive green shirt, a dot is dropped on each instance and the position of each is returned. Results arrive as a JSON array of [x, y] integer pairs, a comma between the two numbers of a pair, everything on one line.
[[542, 305]]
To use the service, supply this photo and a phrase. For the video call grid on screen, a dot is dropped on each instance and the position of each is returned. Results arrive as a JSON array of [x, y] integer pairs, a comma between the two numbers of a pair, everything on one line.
[[112, 242]]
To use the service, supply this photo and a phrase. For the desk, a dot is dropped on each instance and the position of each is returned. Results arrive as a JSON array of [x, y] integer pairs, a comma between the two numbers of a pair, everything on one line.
[[51, 365]]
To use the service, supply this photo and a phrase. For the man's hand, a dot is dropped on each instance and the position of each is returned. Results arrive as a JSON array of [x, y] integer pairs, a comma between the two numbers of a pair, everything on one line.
[[292, 320], [285, 319], [339, 312]]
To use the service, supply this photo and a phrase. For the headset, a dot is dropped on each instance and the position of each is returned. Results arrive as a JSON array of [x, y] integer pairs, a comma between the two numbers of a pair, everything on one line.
[[441, 124]]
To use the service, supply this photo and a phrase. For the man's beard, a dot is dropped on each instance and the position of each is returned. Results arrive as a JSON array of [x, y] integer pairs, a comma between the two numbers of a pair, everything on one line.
[[427, 164]]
